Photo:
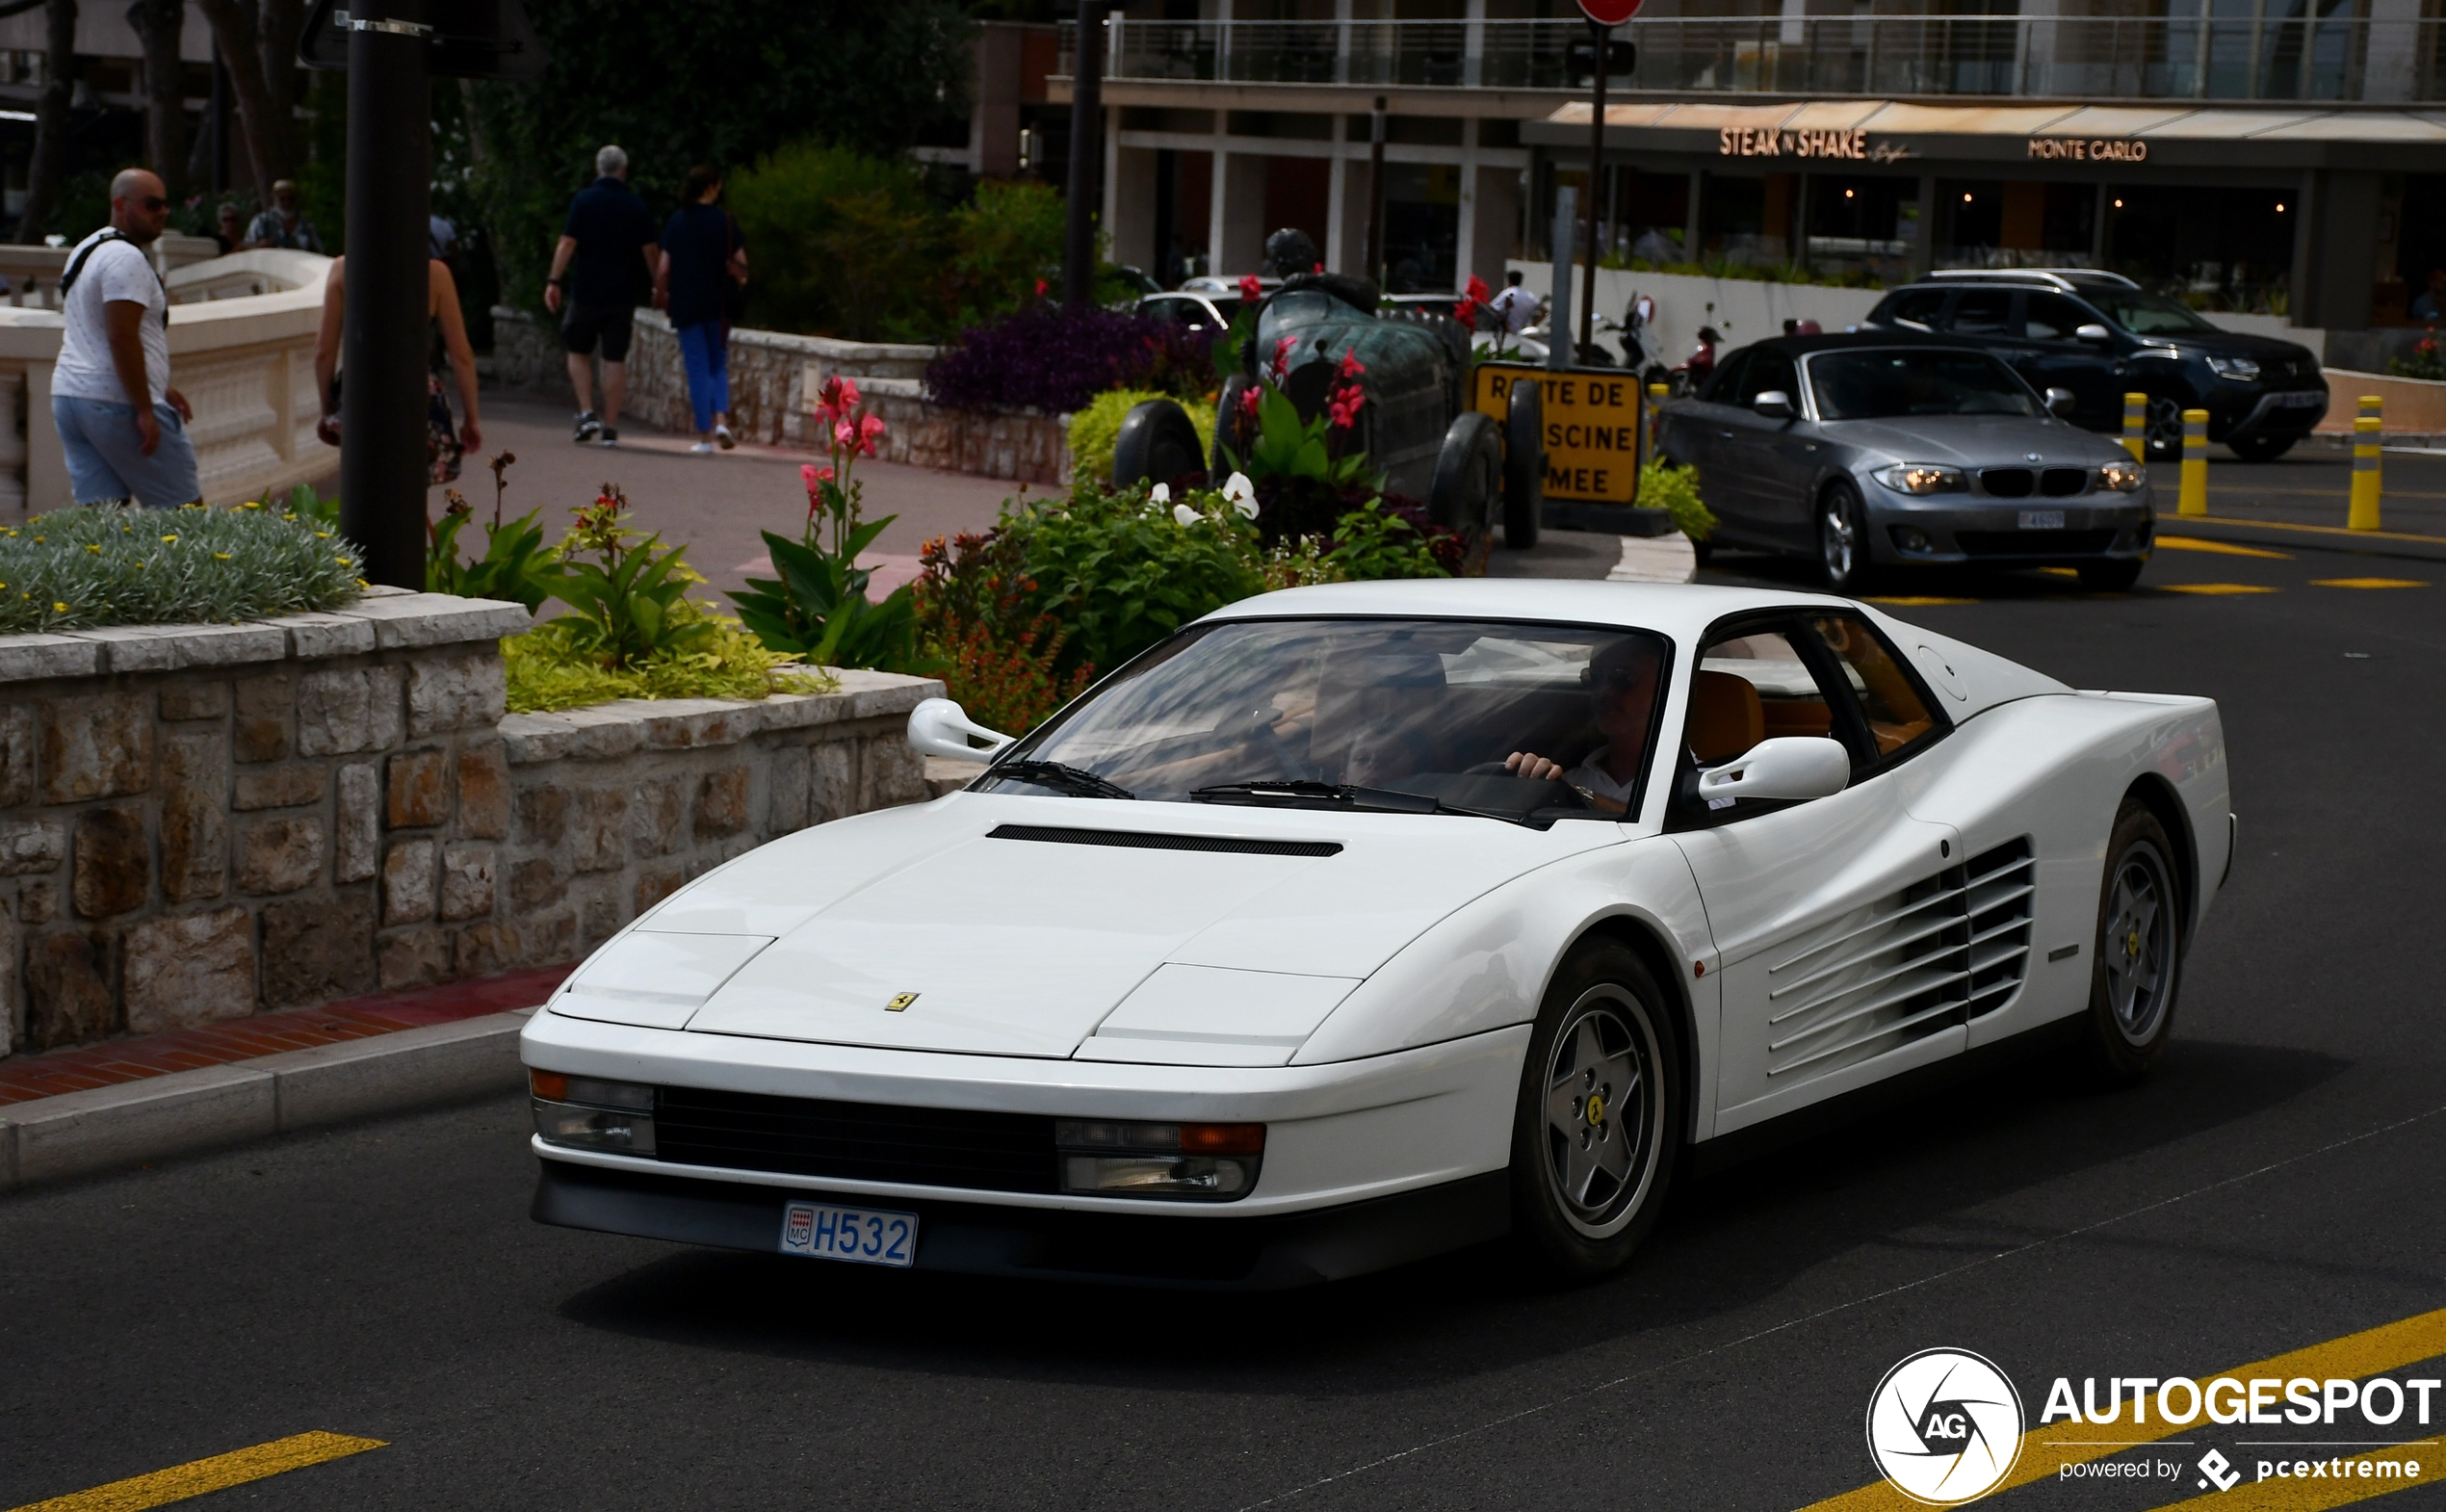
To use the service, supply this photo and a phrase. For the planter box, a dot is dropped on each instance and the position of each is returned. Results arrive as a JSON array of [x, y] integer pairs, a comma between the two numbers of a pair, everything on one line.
[[202, 822]]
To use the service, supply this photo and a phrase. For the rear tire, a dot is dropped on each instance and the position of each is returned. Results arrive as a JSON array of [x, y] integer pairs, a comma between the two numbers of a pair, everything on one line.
[[1597, 1132], [2110, 577], [1469, 476], [2262, 447], [1227, 428], [1155, 444], [2136, 962], [1843, 540], [1523, 466], [2164, 431]]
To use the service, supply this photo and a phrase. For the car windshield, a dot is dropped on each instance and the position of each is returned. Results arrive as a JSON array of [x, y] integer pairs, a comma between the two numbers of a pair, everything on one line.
[[2146, 314], [1890, 384], [1360, 712]]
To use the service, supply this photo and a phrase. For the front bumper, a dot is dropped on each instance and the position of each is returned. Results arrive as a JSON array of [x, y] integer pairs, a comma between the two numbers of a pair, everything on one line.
[[2270, 414], [1252, 1254], [1960, 529]]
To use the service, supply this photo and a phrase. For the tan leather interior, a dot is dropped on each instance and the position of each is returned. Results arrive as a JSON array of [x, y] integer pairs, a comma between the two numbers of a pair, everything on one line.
[[1798, 716], [1725, 718]]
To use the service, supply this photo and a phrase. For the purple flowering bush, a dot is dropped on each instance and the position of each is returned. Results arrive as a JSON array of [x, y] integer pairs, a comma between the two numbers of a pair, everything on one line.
[[1058, 360]]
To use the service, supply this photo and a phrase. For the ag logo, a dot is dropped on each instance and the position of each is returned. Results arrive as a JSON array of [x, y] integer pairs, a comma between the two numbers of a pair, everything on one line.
[[1946, 1426]]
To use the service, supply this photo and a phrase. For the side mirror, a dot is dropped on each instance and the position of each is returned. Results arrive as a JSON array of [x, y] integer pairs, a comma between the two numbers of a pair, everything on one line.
[[2093, 332], [1787, 766], [2060, 402], [1772, 404], [940, 727]]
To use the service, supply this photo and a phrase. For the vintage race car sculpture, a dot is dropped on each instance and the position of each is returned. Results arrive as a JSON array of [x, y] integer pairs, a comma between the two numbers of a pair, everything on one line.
[[1415, 425], [1361, 921]]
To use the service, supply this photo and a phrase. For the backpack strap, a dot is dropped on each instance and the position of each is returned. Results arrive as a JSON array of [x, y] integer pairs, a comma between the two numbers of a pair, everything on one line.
[[85, 254]]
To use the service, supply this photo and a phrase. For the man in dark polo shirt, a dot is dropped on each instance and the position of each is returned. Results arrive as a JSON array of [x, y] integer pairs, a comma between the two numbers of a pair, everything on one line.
[[606, 259]]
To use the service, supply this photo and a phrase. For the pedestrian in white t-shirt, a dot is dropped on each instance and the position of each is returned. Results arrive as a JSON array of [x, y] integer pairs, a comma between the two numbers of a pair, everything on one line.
[[1516, 308], [123, 426]]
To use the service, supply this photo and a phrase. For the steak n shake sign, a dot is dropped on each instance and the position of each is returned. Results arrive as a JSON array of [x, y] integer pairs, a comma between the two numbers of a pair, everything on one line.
[[1768, 141]]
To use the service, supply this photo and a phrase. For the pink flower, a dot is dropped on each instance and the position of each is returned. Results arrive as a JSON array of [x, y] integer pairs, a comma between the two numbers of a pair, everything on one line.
[[1249, 398], [1350, 368], [1251, 290], [811, 475], [844, 433], [1467, 314], [1283, 355], [1319, 268], [1343, 407], [1041, 286]]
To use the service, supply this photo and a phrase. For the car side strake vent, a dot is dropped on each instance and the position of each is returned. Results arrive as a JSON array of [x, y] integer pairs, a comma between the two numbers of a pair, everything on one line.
[[1139, 839], [1938, 952]]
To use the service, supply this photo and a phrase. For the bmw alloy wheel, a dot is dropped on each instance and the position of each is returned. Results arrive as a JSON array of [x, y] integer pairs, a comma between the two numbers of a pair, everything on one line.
[[1603, 1114], [1841, 547]]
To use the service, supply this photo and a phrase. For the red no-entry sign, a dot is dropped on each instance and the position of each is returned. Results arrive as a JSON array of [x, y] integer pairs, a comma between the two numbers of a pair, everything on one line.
[[1609, 13]]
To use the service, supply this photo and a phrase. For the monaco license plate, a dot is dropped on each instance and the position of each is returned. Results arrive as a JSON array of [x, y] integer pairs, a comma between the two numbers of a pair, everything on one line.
[[2041, 519], [867, 1236], [2301, 401]]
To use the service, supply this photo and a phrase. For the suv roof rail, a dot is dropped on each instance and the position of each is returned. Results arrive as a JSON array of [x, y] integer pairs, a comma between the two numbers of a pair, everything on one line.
[[2065, 278]]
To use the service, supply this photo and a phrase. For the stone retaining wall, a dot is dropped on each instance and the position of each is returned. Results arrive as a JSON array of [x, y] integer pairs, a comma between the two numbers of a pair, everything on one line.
[[773, 380], [201, 822]]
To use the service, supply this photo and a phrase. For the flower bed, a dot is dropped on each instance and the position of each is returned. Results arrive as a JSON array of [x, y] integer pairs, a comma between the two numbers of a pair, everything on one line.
[[106, 564]]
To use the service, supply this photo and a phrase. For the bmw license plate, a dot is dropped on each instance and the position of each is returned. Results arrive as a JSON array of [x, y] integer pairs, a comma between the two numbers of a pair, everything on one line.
[[2041, 519], [867, 1236], [2301, 401]]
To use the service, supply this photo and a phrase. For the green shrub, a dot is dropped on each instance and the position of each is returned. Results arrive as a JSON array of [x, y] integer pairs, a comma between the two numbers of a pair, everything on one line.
[[841, 243], [1120, 571], [1002, 242], [1094, 428], [556, 666], [631, 601], [110, 564], [1662, 485]]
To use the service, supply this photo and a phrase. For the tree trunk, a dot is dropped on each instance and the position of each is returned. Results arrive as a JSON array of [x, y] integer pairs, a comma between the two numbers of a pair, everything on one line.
[[158, 24], [50, 122], [246, 30]]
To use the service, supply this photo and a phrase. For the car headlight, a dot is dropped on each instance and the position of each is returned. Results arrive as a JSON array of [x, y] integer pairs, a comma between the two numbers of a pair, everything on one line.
[[1921, 478], [590, 1114], [2122, 475], [2242, 370], [1211, 1162]]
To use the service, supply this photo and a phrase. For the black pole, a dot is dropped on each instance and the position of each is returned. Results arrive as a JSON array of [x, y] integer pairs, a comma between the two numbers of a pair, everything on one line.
[[383, 340], [1086, 157], [1375, 267], [1597, 38]]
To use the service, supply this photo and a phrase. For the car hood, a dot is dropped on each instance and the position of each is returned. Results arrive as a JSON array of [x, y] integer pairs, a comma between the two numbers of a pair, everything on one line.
[[1972, 440], [1012, 937], [2266, 350]]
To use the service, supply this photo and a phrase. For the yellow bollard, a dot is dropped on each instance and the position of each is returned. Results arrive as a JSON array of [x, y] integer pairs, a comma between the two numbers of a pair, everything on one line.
[[2195, 492], [2365, 476], [2136, 426], [2373, 406], [1658, 393]]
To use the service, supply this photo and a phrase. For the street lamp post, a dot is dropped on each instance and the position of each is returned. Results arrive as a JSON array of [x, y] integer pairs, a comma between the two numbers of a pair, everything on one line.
[[1604, 15], [1086, 156]]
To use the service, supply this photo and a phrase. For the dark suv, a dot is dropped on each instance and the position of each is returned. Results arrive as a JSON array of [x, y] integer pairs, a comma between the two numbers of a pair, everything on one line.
[[2099, 335]]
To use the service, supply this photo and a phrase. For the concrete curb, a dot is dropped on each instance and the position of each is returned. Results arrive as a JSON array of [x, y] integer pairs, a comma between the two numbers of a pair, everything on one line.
[[112, 1127], [1655, 558]]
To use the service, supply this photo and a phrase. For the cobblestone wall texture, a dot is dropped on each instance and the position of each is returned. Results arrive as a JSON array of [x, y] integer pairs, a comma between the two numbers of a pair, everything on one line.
[[202, 822]]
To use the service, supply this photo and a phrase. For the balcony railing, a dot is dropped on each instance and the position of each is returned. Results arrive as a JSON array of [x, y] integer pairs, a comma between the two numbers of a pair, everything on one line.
[[2269, 57]]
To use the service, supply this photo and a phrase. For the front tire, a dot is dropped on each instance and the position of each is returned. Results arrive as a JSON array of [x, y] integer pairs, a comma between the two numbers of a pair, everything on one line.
[[2136, 964], [1469, 476], [2110, 577], [1523, 466], [2163, 430], [1843, 540], [1597, 1130]]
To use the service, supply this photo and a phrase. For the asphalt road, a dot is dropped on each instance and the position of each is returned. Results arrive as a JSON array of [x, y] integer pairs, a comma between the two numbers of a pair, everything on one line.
[[2282, 1182]]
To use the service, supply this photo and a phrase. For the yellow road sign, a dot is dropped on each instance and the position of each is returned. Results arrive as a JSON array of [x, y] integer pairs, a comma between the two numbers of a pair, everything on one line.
[[1592, 427]]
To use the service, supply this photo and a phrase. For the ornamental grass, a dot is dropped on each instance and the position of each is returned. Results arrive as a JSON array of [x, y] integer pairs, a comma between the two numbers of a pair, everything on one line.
[[99, 565]]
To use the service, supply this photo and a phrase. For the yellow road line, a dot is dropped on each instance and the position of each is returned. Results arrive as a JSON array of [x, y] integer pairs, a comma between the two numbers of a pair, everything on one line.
[[2367, 583], [2060, 572], [2214, 587], [2343, 1485], [216, 1473], [2319, 530], [1919, 601], [2371, 1352], [2222, 548]]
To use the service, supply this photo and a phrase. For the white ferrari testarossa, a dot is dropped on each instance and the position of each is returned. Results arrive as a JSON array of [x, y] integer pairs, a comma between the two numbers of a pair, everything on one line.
[[1356, 922]]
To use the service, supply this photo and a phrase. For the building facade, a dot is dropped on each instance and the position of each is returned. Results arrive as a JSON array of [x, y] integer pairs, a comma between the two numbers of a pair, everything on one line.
[[2285, 158]]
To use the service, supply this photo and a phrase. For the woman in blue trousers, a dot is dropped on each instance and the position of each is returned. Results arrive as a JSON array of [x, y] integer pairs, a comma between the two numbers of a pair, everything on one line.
[[704, 267]]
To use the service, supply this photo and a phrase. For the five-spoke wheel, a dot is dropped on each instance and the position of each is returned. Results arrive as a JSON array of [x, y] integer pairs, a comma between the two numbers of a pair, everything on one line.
[[2139, 943]]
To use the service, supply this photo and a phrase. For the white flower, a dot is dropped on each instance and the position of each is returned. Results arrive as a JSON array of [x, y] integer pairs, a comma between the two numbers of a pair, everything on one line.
[[1185, 515], [1162, 493], [1246, 506], [1240, 490]]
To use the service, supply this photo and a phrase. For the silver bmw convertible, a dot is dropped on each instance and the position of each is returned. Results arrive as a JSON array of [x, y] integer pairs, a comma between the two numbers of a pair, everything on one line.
[[1869, 451]]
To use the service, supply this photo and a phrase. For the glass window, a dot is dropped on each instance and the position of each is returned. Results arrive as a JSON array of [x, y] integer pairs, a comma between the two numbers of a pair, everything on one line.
[[1728, 378], [1770, 372], [1748, 689], [1982, 312], [2147, 314], [1891, 706], [2052, 317], [1444, 710], [1893, 382], [1916, 308]]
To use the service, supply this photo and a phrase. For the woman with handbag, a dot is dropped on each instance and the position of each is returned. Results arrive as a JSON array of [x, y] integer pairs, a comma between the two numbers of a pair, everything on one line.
[[699, 283], [445, 442]]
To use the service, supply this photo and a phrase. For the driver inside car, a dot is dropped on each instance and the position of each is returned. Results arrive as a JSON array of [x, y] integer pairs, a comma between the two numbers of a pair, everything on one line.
[[1620, 679]]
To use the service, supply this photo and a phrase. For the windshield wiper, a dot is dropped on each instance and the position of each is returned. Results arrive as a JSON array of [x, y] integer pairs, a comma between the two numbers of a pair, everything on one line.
[[1381, 800], [1061, 776]]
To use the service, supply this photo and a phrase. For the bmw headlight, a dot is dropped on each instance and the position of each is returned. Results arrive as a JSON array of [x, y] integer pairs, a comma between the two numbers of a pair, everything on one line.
[[2122, 475], [2242, 370], [1921, 478]]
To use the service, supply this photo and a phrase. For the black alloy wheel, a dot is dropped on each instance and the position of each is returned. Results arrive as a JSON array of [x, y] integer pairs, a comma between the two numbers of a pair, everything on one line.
[[2137, 960], [1469, 476], [1843, 540], [2164, 431], [1597, 1128]]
